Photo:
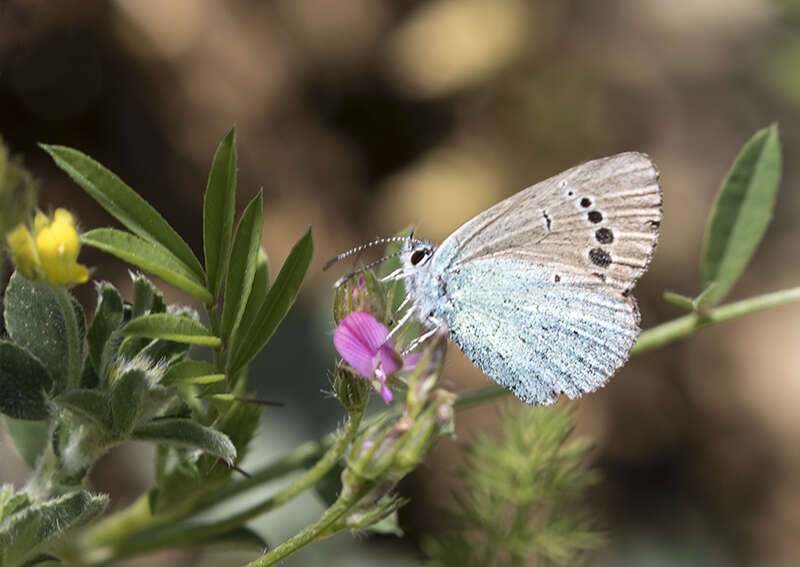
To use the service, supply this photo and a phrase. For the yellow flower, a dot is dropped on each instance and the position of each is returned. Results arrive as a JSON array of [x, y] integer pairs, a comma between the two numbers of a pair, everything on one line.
[[50, 251]]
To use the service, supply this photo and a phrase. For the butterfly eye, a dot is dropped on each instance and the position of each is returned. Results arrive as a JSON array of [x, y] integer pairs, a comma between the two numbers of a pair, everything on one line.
[[417, 257]]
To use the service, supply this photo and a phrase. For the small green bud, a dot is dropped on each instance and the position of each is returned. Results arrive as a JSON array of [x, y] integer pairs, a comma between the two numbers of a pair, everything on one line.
[[352, 390]]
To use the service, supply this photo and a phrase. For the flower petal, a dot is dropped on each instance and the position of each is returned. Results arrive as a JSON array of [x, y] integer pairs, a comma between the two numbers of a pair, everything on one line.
[[386, 393], [357, 338], [389, 360]]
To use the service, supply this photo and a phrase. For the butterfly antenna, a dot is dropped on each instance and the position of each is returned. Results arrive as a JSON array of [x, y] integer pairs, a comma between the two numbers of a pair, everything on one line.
[[346, 277], [357, 249]]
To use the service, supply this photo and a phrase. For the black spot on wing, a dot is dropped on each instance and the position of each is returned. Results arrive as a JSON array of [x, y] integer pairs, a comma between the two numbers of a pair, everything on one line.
[[600, 257]]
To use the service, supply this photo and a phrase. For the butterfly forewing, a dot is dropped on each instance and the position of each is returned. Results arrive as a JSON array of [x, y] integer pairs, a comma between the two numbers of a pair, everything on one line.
[[597, 221]]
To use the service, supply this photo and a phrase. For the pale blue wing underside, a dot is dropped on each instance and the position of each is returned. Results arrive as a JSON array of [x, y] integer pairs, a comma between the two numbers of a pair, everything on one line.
[[535, 338]]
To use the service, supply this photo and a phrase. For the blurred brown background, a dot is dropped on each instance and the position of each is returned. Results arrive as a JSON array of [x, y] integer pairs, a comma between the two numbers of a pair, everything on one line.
[[361, 117]]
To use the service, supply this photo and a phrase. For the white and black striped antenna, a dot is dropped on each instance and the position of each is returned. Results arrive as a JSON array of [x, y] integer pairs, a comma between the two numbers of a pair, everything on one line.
[[361, 247]]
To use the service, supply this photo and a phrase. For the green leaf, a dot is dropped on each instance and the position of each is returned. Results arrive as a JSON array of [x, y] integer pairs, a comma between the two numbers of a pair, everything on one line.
[[24, 383], [91, 405], [741, 212], [149, 256], [126, 400], [172, 328], [258, 293], [277, 303], [35, 321], [28, 437], [124, 204], [218, 209], [242, 267], [23, 534], [107, 319], [187, 433], [186, 370], [147, 298]]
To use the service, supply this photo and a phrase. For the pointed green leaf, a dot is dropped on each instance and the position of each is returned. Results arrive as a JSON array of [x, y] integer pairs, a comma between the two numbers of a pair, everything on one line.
[[172, 328], [218, 209], [107, 319], [258, 292], [279, 299], [124, 204], [35, 321], [24, 383], [149, 256], [186, 370], [28, 437], [126, 400], [187, 433], [242, 266], [90, 405], [23, 534], [741, 212]]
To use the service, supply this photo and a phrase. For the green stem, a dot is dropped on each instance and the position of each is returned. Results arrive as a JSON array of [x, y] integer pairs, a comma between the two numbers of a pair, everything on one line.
[[663, 334], [158, 535], [310, 533], [671, 331], [74, 346]]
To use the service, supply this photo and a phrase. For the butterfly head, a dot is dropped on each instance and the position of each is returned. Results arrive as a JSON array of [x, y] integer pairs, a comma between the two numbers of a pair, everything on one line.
[[416, 253]]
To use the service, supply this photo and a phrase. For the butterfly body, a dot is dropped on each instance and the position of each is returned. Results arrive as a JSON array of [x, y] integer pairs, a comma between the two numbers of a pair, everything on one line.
[[536, 289]]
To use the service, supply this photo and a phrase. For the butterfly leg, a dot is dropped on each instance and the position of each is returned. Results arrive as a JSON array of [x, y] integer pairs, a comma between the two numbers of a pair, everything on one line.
[[436, 325]]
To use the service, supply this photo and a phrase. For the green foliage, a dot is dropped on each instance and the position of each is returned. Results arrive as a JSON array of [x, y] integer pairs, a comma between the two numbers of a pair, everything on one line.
[[218, 210], [107, 320], [24, 383], [28, 437], [34, 321], [275, 306], [243, 262], [172, 328], [129, 376], [741, 212], [522, 496], [150, 256], [125, 205], [26, 532], [187, 433]]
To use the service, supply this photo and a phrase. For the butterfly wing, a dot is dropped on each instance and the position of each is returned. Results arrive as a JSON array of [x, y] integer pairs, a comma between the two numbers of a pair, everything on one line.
[[537, 287], [598, 221], [535, 338]]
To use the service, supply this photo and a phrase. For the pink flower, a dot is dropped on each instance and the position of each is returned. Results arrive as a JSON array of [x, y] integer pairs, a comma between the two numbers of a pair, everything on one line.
[[362, 341]]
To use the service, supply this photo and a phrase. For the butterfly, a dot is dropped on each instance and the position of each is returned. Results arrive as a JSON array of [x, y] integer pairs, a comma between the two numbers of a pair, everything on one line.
[[536, 290]]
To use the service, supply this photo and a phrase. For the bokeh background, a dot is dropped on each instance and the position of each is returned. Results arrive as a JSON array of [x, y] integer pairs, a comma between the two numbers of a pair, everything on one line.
[[361, 117]]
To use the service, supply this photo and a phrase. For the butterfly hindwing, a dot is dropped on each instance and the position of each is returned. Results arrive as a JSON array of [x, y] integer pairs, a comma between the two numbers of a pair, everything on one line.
[[537, 339]]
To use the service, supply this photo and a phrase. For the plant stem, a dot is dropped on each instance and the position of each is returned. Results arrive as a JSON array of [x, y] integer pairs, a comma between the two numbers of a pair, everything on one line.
[[312, 532], [74, 350], [663, 334], [671, 331], [156, 536]]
